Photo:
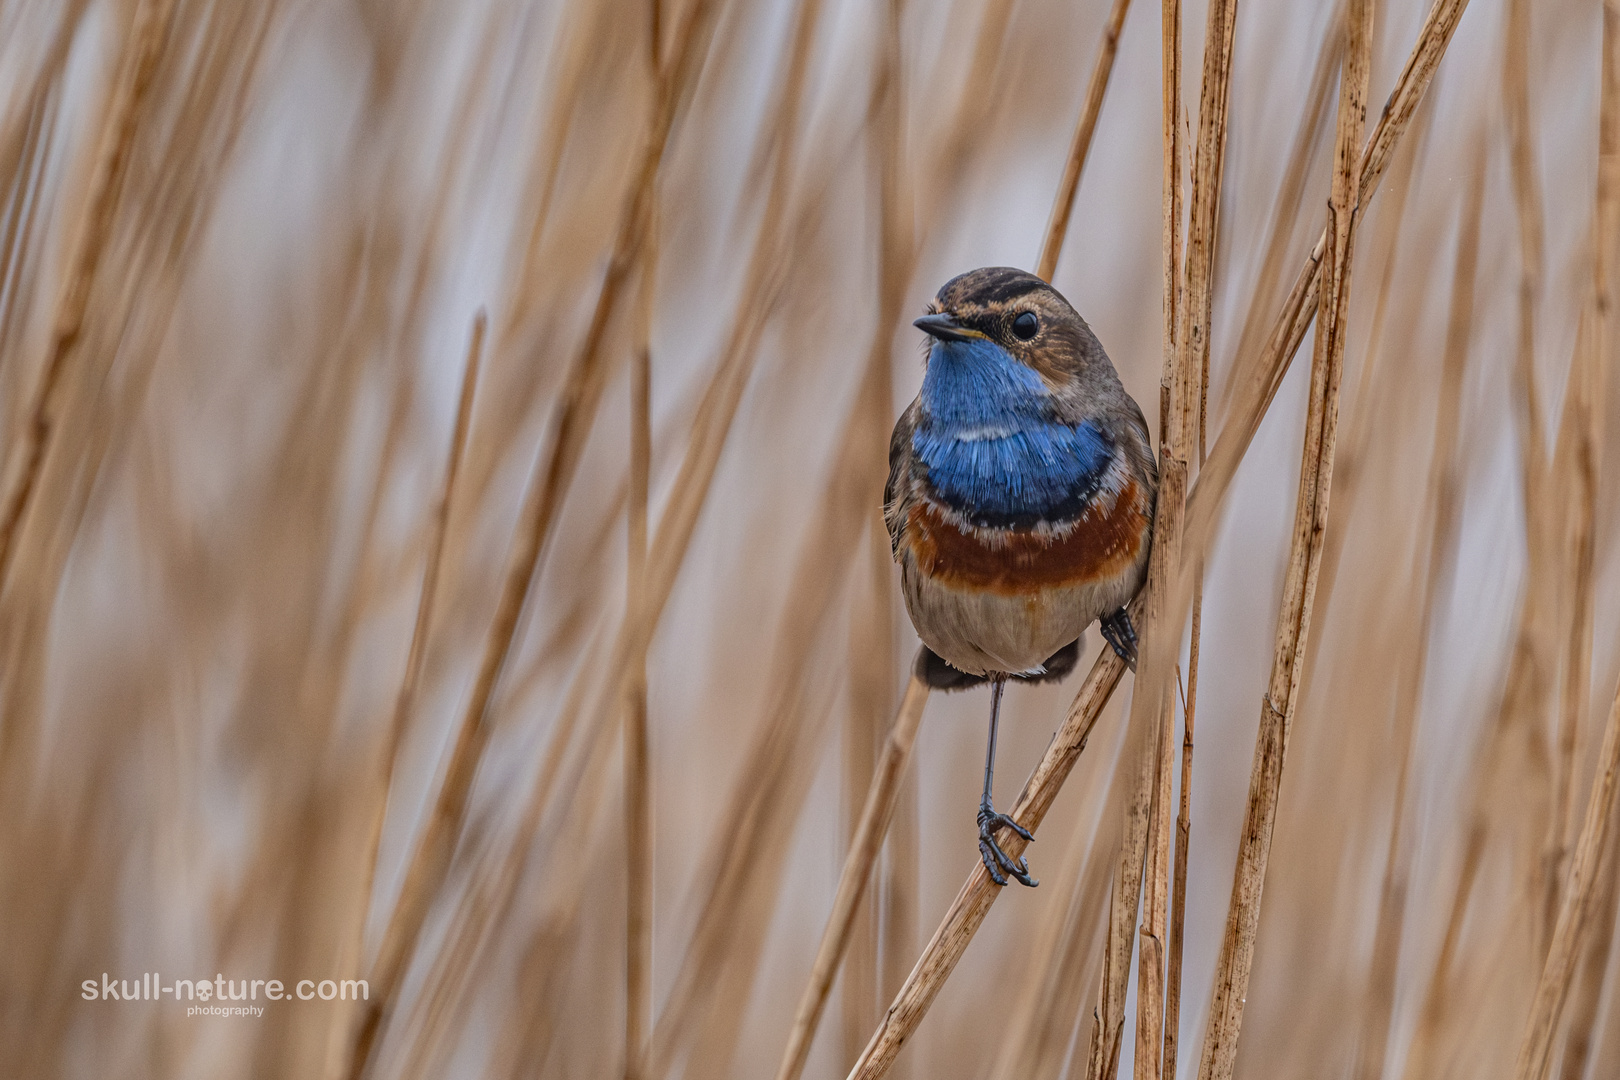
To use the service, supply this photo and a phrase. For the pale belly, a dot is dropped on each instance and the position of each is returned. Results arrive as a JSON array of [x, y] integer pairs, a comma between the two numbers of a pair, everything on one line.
[[983, 632], [991, 602]]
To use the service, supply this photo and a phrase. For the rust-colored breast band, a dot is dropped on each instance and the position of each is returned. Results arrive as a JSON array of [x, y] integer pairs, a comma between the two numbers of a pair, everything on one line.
[[1012, 562]]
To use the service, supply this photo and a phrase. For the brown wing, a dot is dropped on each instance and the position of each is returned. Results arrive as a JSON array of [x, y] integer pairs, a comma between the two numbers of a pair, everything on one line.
[[899, 466]]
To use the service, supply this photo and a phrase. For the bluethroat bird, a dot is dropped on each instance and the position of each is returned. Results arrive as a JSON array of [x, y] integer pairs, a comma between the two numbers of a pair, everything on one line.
[[1020, 499]]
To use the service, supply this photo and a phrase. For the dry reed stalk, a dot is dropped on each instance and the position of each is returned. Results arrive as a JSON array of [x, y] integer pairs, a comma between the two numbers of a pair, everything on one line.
[[1178, 895], [162, 199], [872, 674], [1520, 709], [1444, 497], [1257, 383], [865, 843], [900, 874], [1528, 673], [22, 163], [974, 99], [147, 35], [493, 889], [24, 155], [1310, 519], [1576, 473], [707, 1003], [1065, 954], [1580, 522], [867, 661], [311, 857], [1580, 889], [1557, 550], [404, 702], [575, 411], [1057, 226], [1312, 140], [1178, 883], [456, 965], [638, 825], [1511, 719], [1594, 967], [973, 902], [746, 853], [1527, 203], [765, 279], [577, 48], [1291, 203], [1357, 444], [1182, 397], [637, 782], [183, 151], [1146, 796], [438, 530], [1115, 976]]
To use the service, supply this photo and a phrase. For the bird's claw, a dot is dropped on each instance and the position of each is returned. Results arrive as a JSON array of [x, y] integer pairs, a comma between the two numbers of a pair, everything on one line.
[[998, 862], [1121, 635]]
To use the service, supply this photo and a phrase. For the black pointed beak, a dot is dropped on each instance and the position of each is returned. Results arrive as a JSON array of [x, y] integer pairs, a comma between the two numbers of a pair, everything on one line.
[[945, 328]]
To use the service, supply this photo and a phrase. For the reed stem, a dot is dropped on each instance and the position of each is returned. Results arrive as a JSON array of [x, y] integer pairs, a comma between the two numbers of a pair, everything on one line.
[[1310, 522]]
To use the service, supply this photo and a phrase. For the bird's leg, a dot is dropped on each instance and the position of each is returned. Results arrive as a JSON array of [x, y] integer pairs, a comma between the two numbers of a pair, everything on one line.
[[1118, 632], [996, 860]]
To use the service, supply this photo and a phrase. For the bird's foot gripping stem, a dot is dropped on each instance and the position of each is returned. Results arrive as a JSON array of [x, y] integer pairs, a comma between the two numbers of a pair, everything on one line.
[[996, 861], [1120, 634]]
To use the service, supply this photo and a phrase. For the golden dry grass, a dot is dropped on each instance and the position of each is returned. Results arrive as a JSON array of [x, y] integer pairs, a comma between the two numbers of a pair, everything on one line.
[[551, 707]]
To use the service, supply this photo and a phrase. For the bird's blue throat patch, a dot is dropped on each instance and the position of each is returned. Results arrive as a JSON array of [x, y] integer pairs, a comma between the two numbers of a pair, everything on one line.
[[988, 444]]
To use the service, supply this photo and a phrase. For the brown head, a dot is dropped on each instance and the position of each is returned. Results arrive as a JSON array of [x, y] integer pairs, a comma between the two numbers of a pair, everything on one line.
[[1024, 315]]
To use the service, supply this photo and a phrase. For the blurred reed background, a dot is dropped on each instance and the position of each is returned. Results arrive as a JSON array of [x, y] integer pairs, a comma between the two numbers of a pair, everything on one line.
[[244, 248]]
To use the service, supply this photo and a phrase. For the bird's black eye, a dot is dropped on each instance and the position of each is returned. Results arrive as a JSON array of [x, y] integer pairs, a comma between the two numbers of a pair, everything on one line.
[[1025, 325]]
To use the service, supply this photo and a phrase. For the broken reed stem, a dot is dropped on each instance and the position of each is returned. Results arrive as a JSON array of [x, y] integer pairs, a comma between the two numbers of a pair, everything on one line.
[[1057, 226], [137, 67], [973, 902], [1575, 911], [575, 414], [864, 847], [1304, 563]]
